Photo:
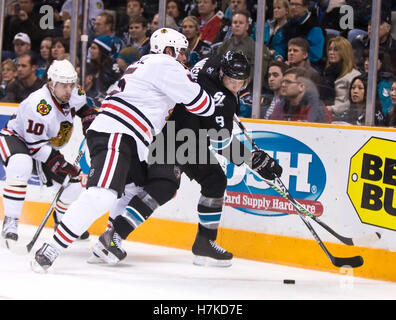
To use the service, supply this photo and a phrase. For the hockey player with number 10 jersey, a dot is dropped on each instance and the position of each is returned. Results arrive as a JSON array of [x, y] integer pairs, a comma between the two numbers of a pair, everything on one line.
[[42, 125]]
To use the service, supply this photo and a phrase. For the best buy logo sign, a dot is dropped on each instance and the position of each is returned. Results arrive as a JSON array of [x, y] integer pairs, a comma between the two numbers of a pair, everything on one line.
[[372, 183]]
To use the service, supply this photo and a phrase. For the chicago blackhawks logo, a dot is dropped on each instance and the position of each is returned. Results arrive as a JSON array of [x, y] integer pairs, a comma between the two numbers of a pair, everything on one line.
[[64, 134], [43, 108], [80, 91]]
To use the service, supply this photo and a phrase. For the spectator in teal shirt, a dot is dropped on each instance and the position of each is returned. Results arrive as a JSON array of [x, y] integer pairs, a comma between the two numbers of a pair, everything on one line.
[[304, 23]]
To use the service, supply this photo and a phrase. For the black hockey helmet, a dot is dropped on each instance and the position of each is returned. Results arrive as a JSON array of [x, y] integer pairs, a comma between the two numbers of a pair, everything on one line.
[[235, 65]]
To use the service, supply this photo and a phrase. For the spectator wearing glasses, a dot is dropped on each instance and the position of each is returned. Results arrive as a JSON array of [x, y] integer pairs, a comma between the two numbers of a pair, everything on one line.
[[301, 99], [304, 23]]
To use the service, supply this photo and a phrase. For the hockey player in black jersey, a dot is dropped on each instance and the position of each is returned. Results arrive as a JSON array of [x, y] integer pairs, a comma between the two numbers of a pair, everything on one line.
[[222, 77]]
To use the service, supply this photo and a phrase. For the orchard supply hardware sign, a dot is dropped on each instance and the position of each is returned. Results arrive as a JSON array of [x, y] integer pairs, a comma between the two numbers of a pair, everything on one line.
[[303, 173], [372, 183]]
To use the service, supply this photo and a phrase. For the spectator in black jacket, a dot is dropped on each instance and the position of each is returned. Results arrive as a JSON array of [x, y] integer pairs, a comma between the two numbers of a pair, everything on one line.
[[23, 18], [329, 16], [386, 42], [362, 15]]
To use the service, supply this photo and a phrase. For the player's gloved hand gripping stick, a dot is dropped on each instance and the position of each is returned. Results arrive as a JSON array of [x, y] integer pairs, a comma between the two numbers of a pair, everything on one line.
[[353, 262], [65, 183]]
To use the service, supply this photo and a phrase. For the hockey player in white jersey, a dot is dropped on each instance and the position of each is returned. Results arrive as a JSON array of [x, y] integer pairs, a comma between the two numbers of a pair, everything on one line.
[[119, 137], [42, 124]]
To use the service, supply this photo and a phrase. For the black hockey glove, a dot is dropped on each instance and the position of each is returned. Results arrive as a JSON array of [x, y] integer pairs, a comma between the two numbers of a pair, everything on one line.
[[59, 166], [87, 115], [265, 166]]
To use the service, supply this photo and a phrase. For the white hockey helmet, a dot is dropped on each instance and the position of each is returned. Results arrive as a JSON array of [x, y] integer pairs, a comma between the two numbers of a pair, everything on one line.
[[62, 71], [166, 37]]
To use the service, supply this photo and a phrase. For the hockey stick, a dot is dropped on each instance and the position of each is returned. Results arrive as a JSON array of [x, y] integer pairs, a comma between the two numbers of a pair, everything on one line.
[[65, 183], [358, 241], [355, 241], [353, 262]]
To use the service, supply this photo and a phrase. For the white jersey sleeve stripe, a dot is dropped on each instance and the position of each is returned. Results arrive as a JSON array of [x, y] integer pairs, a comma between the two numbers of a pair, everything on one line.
[[136, 111], [210, 106], [202, 104], [129, 118]]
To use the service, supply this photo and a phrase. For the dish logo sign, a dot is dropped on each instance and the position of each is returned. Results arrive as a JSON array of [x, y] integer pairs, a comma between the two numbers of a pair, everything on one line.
[[303, 174], [372, 183]]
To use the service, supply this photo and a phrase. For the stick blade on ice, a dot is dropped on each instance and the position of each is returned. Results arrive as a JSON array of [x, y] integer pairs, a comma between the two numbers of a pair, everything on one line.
[[353, 262]]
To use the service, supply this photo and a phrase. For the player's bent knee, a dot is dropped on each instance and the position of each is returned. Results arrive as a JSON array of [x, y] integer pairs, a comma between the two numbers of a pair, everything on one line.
[[100, 199], [162, 190], [71, 192], [19, 167]]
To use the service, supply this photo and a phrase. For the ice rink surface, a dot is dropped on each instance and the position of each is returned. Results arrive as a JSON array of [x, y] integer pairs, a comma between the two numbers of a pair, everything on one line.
[[159, 273]]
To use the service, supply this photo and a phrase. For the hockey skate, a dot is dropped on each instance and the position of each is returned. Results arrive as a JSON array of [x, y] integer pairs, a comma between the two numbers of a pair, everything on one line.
[[108, 248], [207, 252], [10, 228], [44, 258], [9, 233]]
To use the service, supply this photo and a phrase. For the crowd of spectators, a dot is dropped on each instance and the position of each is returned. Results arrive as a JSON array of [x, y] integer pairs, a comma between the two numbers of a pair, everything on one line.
[[315, 55]]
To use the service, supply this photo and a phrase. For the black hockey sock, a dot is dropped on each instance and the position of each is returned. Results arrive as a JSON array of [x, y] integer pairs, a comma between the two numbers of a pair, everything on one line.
[[210, 234], [122, 227]]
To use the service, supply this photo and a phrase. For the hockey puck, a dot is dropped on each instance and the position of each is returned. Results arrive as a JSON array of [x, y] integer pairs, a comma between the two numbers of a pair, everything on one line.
[[289, 281]]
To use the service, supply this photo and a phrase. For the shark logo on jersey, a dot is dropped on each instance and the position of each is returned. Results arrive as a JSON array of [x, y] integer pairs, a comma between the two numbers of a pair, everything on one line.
[[210, 70], [43, 108], [219, 97]]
